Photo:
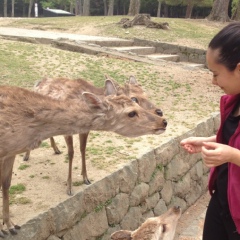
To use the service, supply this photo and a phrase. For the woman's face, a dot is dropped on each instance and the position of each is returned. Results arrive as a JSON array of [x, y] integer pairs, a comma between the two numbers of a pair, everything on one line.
[[228, 81]]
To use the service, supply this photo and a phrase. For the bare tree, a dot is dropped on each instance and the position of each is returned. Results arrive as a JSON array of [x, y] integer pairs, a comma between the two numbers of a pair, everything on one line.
[[159, 8], [30, 8], [110, 7], [13, 3], [5, 8], [78, 7], [219, 11], [71, 7], [105, 7], [190, 4], [134, 7], [86, 7]]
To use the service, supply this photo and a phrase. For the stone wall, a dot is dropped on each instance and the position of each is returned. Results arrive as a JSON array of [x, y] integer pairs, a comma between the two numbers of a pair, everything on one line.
[[145, 187], [186, 54]]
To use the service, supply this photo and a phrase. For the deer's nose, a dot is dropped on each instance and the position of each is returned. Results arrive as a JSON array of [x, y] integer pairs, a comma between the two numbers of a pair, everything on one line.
[[159, 112], [164, 122]]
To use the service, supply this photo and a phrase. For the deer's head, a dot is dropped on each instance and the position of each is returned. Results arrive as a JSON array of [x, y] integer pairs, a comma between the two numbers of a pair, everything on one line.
[[120, 114]]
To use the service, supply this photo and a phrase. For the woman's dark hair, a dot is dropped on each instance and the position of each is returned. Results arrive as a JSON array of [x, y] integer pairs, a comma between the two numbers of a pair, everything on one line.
[[227, 41]]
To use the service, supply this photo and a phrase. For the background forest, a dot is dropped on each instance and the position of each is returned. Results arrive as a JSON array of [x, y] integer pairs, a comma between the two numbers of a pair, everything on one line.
[[219, 10]]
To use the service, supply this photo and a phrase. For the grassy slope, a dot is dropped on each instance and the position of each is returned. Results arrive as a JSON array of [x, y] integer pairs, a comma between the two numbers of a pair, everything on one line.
[[174, 89]]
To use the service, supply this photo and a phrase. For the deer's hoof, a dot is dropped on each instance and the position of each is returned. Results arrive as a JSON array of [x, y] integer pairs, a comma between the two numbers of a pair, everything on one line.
[[87, 182], [70, 193], [13, 231], [25, 158], [57, 152], [17, 227], [3, 233]]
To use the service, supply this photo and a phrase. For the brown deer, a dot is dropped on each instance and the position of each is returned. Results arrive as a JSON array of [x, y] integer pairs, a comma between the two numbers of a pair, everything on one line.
[[54, 87], [27, 118], [154, 228]]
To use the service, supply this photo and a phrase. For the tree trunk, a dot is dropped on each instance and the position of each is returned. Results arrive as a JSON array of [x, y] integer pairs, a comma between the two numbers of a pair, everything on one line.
[[30, 8], [236, 15], [219, 11], [189, 9], [77, 7], [159, 8], [80, 7], [5, 8], [110, 7], [13, 3], [105, 7], [71, 7], [165, 9], [86, 7], [134, 7]]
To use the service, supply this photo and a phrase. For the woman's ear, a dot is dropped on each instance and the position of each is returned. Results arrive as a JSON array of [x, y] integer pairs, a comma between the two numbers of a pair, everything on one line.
[[238, 67]]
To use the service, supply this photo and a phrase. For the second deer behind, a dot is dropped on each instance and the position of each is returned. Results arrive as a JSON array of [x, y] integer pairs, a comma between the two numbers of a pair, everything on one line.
[[64, 88]]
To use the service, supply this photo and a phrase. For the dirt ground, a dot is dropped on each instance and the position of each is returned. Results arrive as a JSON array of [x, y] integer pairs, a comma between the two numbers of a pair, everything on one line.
[[45, 174]]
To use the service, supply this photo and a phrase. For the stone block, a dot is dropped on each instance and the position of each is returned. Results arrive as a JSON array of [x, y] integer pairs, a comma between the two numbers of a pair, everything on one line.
[[146, 166], [117, 209], [139, 194], [132, 219], [167, 192]]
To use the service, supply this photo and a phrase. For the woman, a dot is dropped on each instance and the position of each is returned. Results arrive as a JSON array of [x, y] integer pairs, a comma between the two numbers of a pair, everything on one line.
[[221, 153]]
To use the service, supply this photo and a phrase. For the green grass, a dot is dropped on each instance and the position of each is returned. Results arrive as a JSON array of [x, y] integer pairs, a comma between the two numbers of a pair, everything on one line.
[[14, 193], [23, 166], [196, 30], [17, 189]]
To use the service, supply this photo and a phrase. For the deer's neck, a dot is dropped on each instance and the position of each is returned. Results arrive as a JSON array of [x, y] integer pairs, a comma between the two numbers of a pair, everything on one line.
[[29, 120], [65, 118]]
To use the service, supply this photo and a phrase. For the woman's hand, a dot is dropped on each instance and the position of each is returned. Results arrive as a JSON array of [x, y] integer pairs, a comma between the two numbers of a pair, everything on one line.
[[215, 154], [194, 144]]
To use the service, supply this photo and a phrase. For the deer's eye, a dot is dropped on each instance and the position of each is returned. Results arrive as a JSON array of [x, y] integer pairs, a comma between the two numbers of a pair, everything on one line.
[[164, 228], [132, 114], [134, 99]]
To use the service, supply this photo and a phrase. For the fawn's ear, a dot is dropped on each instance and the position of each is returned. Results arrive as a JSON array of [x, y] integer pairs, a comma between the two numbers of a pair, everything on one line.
[[92, 100], [132, 80], [122, 234], [110, 88]]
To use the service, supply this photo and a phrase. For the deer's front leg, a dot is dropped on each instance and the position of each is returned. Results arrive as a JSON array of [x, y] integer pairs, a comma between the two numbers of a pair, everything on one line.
[[69, 142], [6, 177], [83, 143]]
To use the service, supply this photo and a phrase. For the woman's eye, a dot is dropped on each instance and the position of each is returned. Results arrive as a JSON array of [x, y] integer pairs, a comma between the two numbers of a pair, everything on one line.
[[134, 99], [132, 114]]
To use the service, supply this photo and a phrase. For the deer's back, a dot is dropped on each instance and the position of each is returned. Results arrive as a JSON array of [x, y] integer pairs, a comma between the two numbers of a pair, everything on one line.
[[63, 88]]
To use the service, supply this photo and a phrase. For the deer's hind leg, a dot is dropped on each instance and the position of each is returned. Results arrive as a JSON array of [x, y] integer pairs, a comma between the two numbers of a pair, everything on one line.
[[69, 142], [26, 156], [54, 146], [6, 177], [83, 143]]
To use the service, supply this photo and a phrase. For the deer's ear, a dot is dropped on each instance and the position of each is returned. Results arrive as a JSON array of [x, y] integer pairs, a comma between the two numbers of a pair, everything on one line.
[[106, 76], [122, 234], [132, 80], [110, 88], [92, 100]]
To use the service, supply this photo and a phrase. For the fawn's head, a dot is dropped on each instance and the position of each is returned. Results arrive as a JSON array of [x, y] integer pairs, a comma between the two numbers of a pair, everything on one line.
[[135, 91]]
